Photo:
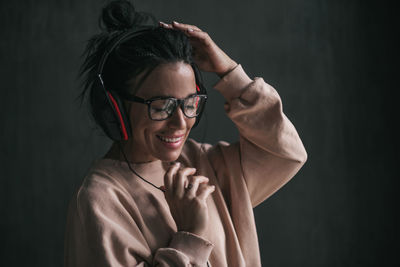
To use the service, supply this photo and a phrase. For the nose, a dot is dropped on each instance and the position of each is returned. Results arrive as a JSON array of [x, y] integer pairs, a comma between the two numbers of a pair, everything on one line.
[[177, 119]]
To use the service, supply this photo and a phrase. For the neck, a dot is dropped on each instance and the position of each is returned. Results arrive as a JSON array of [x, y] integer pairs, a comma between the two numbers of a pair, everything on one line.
[[115, 153], [154, 178]]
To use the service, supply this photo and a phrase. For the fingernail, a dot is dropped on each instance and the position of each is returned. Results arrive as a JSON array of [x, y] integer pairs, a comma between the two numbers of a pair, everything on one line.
[[175, 22], [163, 24], [190, 30]]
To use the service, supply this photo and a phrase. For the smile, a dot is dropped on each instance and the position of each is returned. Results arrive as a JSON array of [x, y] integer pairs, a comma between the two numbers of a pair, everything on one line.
[[170, 140]]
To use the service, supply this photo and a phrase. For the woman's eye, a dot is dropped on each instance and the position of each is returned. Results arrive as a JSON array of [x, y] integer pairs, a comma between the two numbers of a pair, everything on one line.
[[160, 105], [158, 109]]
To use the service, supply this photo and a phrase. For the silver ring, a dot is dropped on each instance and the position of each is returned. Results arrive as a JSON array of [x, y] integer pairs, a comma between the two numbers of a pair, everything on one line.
[[189, 186]]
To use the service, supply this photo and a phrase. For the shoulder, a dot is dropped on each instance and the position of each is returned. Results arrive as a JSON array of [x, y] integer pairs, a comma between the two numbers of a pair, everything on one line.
[[192, 145], [101, 184], [192, 148], [194, 151]]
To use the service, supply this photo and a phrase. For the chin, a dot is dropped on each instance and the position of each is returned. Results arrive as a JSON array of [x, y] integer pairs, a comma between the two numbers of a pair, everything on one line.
[[169, 156], [168, 150]]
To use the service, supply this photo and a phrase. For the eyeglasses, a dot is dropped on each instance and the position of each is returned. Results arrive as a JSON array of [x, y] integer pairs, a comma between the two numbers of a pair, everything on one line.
[[161, 108]]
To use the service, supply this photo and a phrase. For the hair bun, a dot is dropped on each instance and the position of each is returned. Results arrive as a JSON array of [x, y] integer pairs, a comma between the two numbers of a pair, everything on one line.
[[119, 15]]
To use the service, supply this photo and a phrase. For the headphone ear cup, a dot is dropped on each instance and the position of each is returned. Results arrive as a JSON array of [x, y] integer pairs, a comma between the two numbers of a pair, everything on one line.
[[103, 112], [109, 112], [202, 91], [120, 114]]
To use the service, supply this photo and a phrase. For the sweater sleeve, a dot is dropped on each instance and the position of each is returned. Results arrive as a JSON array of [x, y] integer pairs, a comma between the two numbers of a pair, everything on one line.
[[102, 230], [269, 152]]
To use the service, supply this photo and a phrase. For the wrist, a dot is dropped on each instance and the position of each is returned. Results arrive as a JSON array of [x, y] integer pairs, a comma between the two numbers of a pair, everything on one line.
[[227, 69]]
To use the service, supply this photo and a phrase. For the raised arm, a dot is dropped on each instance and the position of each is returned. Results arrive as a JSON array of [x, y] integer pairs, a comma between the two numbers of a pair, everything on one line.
[[270, 151]]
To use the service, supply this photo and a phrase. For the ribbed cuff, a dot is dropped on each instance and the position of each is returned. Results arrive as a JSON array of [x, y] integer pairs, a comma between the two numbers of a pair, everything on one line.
[[234, 83], [195, 247]]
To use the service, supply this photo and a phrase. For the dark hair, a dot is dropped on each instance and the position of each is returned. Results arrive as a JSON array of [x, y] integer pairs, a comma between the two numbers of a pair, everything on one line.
[[134, 56]]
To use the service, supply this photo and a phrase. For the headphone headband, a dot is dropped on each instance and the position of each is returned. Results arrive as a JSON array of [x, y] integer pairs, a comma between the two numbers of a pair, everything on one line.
[[119, 39]]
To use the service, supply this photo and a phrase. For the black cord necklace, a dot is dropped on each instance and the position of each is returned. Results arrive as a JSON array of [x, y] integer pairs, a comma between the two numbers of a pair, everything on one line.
[[132, 170]]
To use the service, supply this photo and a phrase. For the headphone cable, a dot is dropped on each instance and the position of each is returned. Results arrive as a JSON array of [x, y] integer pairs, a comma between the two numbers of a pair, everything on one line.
[[132, 170]]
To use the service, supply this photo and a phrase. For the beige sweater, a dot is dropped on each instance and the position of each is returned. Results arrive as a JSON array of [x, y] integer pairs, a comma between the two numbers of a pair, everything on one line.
[[116, 219]]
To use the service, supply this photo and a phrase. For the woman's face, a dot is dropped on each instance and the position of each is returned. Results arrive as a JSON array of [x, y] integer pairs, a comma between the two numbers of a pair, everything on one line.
[[161, 140]]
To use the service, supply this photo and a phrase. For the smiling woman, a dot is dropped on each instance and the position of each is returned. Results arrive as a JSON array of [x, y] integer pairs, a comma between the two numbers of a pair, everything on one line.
[[158, 198], [156, 139]]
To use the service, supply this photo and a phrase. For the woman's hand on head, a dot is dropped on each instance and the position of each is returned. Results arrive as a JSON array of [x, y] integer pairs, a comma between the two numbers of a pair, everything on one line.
[[188, 206], [207, 55]]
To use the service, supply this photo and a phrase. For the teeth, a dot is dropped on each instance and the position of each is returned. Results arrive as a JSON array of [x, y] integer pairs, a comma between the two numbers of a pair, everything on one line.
[[170, 140]]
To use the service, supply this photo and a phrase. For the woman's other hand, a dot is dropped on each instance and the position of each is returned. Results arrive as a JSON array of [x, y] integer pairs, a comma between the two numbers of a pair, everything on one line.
[[207, 55], [188, 205]]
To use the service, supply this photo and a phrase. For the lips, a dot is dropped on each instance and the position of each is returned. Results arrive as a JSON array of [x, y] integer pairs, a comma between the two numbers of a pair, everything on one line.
[[170, 139]]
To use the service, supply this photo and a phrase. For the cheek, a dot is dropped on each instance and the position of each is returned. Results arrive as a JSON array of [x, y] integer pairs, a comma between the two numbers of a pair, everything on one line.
[[139, 121], [190, 123], [144, 129]]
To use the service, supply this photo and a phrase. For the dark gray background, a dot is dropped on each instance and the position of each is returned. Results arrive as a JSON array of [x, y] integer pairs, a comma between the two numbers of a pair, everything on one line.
[[332, 63]]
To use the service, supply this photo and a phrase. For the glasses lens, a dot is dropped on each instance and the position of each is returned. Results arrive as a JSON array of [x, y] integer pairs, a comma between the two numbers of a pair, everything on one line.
[[161, 109], [193, 105]]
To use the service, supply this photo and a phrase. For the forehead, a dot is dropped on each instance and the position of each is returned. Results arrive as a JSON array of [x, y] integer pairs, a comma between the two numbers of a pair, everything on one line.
[[170, 79]]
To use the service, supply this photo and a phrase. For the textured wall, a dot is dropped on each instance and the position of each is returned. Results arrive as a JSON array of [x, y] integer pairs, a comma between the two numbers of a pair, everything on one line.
[[332, 63]]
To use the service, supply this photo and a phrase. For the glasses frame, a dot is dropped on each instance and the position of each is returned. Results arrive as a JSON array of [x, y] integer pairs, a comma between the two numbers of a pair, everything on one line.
[[178, 102]]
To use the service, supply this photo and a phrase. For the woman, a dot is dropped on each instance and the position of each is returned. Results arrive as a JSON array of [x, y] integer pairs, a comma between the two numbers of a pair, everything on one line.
[[157, 197]]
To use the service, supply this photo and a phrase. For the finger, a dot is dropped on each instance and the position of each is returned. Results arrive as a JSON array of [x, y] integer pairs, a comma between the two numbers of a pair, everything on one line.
[[165, 25], [203, 37], [182, 26], [168, 177], [179, 181], [204, 191], [190, 30], [195, 181], [200, 178]]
